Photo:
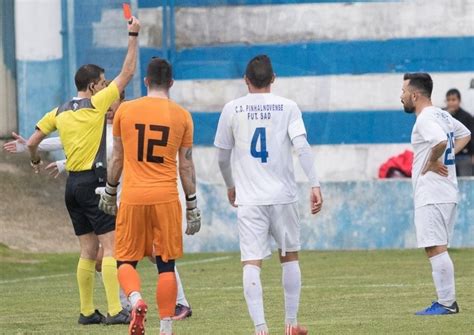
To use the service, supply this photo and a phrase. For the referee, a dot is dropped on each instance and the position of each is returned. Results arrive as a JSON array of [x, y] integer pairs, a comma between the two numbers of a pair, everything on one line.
[[81, 124]]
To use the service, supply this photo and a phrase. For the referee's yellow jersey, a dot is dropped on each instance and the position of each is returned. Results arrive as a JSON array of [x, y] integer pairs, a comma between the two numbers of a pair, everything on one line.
[[80, 124]]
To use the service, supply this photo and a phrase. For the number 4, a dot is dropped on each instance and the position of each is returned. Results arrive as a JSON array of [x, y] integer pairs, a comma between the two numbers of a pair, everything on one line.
[[260, 133]]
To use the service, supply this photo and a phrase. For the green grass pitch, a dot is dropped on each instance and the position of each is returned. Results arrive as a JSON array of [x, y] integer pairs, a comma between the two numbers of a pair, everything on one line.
[[361, 292]]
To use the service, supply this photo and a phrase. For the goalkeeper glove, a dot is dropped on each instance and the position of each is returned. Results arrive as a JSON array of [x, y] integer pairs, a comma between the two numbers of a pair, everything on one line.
[[108, 199], [193, 215]]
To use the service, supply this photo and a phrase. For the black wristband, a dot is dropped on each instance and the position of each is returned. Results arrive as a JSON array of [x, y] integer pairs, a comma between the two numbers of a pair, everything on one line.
[[191, 197], [131, 33], [36, 162]]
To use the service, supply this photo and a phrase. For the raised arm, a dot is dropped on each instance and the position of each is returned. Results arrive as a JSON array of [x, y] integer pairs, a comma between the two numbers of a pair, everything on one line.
[[130, 62], [187, 174]]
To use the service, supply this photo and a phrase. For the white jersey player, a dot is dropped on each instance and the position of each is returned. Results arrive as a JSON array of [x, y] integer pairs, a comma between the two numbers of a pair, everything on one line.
[[436, 138], [259, 131]]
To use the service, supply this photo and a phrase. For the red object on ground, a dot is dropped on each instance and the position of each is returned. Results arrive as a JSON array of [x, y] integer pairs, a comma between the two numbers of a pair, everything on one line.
[[397, 166], [127, 11]]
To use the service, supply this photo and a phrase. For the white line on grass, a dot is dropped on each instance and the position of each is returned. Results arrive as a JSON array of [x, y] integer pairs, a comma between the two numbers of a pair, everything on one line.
[[206, 260], [232, 288], [19, 280], [200, 261]]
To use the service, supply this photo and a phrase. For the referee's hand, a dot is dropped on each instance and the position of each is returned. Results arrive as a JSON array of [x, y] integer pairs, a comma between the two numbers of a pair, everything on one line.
[[108, 199], [133, 25]]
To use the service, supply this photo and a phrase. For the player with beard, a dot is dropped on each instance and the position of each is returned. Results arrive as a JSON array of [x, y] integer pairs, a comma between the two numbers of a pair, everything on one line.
[[436, 138]]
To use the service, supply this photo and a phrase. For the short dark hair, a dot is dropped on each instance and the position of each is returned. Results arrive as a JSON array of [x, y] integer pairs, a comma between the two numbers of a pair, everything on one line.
[[453, 91], [159, 73], [86, 75], [260, 71], [421, 81]]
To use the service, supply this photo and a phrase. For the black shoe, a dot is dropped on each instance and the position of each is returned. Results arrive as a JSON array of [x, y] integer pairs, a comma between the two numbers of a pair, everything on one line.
[[182, 312], [122, 318], [454, 308], [93, 319]]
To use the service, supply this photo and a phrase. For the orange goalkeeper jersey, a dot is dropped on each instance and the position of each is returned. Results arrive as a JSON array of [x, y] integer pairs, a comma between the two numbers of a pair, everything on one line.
[[152, 131]]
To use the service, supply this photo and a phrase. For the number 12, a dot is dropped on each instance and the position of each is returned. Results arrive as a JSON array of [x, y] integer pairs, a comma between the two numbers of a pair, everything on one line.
[[165, 131]]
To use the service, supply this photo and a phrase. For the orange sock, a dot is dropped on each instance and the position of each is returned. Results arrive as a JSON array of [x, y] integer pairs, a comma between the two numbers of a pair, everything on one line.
[[166, 292], [129, 279]]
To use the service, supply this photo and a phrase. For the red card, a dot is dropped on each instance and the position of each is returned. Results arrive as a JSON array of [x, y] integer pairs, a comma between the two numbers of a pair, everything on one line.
[[127, 11]]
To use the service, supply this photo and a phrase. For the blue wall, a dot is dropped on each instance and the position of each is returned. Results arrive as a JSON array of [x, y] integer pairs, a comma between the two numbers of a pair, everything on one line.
[[357, 215], [8, 34], [40, 89], [349, 127], [452, 54]]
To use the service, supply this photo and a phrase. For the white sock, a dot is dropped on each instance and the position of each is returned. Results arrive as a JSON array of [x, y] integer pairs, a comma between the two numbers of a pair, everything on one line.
[[180, 298], [443, 277], [124, 301], [134, 297], [166, 326], [291, 278], [253, 293]]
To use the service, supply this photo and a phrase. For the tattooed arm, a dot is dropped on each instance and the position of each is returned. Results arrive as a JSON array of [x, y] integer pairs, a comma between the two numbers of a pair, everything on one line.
[[186, 171], [188, 180]]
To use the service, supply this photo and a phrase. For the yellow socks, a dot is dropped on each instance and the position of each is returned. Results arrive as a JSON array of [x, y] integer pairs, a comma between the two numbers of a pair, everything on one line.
[[111, 284], [85, 280]]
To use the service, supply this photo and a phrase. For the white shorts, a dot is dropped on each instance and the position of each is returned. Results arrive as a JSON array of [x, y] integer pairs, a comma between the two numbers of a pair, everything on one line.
[[434, 224], [258, 224]]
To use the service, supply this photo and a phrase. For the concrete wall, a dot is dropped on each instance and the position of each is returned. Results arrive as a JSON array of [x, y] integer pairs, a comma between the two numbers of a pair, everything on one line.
[[289, 23], [342, 62], [356, 215], [8, 111]]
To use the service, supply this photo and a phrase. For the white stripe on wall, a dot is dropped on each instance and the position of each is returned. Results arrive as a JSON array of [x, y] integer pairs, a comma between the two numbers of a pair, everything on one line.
[[361, 162], [38, 30], [321, 93], [297, 22]]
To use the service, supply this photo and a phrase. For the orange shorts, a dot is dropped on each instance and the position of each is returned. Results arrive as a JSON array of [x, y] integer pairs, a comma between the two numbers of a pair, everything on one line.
[[142, 229]]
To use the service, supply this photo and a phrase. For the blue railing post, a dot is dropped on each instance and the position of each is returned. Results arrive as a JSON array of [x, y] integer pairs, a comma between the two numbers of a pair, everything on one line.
[[164, 37], [172, 32], [65, 39]]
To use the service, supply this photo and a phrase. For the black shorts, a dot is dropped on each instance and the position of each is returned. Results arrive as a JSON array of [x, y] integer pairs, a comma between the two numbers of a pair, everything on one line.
[[82, 204]]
